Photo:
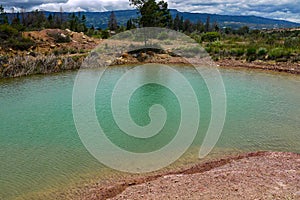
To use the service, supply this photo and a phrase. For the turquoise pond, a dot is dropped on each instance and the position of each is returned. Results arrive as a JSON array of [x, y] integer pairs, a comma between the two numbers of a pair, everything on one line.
[[40, 150]]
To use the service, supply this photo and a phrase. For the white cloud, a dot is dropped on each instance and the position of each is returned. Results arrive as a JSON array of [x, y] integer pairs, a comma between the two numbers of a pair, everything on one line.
[[85, 5], [279, 9]]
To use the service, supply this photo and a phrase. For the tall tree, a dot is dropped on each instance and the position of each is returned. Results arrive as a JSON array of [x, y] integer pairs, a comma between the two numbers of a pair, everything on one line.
[[153, 14], [112, 23], [130, 24], [176, 24], [3, 16], [207, 24], [188, 26]]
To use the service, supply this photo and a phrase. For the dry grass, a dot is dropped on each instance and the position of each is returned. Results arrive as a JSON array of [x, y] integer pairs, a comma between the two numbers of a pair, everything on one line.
[[28, 65]]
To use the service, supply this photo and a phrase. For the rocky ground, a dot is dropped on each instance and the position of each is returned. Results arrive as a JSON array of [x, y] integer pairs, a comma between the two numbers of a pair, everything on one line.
[[47, 44], [55, 50], [260, 175], [58, 50], [293, 68]]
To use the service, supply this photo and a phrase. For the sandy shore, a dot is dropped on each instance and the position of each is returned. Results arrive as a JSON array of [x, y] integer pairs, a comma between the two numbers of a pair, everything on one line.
[[293, 68], [165, 58], [259, 175]]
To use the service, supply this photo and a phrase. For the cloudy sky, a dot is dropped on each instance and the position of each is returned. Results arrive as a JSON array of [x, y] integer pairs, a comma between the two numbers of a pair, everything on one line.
[[278, 9]]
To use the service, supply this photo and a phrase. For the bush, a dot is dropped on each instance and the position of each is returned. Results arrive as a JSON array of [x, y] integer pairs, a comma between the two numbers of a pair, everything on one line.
[[123, 35], [6, 31], [278, 53], [237, 52], [20, 43], [251, 54], [262, 52], [292, 42], [168, 42], [251, 51], [196, 37], [60, 38], [211, 36], [163, 36]]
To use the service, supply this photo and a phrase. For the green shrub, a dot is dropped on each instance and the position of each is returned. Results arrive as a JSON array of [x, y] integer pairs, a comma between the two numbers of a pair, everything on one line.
[[278, 53], [251, 54], [262, 52], [208, 49], [6, 31], [251, 51], [20, 43], [237, 52], [123, 35], [211, 36], [196, 37], [105, 34], [168, 42], [163, 36], [217, 44], [60, 38], [292, 42]]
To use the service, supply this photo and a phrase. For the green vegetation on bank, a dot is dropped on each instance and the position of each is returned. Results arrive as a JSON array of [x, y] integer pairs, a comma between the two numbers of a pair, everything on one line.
[[223, 43], [282, 45], [279, 46]]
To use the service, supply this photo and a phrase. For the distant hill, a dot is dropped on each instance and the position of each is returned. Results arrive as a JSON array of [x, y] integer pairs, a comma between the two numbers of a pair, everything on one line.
[[100, 19], [254, 22]]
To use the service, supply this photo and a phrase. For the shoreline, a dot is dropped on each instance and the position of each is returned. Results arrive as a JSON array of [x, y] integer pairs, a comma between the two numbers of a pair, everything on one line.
[[290, 68], [259, 167]]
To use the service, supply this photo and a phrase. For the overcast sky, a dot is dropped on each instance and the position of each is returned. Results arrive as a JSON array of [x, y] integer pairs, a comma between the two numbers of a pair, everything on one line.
[[278, 9]]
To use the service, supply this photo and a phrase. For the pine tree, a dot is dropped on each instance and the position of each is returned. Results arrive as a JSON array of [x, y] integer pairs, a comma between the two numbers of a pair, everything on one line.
[[153, 14], [207, 24], [176, 23], [3, 16], [112, 23], [130, 24]]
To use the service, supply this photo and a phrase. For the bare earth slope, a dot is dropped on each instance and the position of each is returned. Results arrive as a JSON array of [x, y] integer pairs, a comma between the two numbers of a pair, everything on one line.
[[269, 176]]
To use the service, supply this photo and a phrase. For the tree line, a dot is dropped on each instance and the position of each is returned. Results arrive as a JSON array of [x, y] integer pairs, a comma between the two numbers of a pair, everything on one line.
[[37, 20]]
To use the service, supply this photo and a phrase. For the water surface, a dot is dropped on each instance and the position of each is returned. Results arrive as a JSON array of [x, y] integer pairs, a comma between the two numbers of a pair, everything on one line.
[[40, 150]]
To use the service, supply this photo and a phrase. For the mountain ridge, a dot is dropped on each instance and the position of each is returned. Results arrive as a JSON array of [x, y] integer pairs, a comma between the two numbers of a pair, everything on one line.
[[100, 19]]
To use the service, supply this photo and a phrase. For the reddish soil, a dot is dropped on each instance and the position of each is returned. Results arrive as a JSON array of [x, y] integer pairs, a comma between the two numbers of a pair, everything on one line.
[[46, 42], [260, 175], [293, 68]]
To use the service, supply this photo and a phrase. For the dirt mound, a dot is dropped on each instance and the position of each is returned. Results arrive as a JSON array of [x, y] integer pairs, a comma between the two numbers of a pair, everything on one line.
[[56, 40]]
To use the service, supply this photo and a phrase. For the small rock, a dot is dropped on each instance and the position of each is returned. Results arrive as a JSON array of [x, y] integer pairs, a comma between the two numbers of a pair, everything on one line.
[[52, 46], [168, 50], [125, 55], [90, 40], [163, 56], [108, 62], [63, 35], [83, 37], [143, 55], [68, 30], [151, 53], [31, 53], [59, 62]]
